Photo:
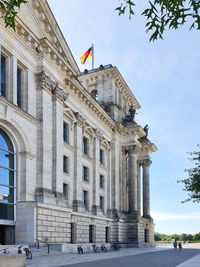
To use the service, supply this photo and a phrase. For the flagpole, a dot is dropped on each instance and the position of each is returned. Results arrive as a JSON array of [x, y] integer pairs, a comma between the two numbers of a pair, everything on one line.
[[92, 56]]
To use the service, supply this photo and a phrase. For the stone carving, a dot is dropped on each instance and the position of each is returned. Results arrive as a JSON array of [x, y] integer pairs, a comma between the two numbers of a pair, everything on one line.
[[131, 116], [45, 82], [146, 129], [80, 119], [146, 162], [99, 134], [59, 93], [132, 149]]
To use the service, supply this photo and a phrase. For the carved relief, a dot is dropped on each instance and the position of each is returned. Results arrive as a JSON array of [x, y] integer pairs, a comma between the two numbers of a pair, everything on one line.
[[44, 82], [80, 119], [132, 149], [146, 162]]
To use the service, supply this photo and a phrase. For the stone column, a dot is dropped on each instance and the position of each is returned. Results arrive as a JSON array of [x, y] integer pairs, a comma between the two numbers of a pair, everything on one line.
[[146, 188], [132, 179], [138, 188], [123, 191]]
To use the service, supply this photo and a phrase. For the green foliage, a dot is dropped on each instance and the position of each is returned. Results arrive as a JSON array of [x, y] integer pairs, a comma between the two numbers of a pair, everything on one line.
[[181, 237], [192, 183], [9, 12], [165, 14]]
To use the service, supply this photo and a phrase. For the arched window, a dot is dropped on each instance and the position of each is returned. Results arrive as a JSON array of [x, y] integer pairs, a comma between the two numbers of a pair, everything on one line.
[[7, 177]]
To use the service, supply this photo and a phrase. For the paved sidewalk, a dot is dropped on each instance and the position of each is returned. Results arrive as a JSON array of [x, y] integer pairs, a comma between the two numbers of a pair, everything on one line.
[[68, 259], [193, 262], [56, 259]]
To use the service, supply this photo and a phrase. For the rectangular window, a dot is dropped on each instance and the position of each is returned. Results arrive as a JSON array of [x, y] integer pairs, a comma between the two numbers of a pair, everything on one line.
[[101, 200], [101, 156], [65, 190], [19, 88], [101, 181], [65, 164], [85, 146], [85, 199], [85, 174], [3, 76], [65, 132]]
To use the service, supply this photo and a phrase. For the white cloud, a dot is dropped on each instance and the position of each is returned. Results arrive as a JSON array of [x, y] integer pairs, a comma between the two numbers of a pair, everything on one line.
[[172, 216]]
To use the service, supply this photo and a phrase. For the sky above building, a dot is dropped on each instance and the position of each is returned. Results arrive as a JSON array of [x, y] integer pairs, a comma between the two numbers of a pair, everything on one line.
[[164, 78]]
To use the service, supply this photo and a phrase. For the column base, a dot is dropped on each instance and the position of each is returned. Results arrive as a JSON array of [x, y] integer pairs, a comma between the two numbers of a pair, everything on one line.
[[77, 205]]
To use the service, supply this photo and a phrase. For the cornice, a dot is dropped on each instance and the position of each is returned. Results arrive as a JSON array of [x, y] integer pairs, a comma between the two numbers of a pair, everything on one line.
[[85, 98], [146, 146]]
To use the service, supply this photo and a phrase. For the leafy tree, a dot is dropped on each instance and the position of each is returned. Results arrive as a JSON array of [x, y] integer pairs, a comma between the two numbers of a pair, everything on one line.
[[165, 14], [192, 183], [196, 237], [9, 11]]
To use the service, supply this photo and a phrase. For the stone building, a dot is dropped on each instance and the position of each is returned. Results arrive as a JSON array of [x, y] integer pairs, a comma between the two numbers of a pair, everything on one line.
[[74, 164]]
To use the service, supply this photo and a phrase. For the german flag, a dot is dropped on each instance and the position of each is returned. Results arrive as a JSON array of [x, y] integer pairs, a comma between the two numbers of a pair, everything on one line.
[[87, 55]]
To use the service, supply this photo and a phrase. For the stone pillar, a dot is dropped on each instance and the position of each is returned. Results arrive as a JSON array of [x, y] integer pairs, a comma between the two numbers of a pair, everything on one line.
[[78, 136], [95, 179], [132, 179], [123, 191], [146, 188], [12, 94], [138, 188], [57, 144]]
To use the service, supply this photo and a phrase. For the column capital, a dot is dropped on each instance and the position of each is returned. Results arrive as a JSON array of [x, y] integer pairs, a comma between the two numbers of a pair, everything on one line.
[[146, 162], [133, 149]]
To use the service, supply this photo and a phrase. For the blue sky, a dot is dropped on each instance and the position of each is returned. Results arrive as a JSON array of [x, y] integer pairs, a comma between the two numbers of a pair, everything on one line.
[[164, 77]]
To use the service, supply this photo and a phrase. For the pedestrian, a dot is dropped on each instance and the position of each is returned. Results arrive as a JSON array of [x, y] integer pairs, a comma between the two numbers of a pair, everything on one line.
[[175, 244], [179, 246]]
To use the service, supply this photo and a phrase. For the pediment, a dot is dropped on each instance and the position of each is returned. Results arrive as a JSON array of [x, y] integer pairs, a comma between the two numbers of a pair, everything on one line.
[[37, 18]]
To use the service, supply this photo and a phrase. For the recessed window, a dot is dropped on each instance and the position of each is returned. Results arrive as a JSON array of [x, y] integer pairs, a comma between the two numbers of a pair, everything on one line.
[[101, 181], [65, 132], [85, 199], [85, 146], [85, 174], [7, 177], [65, 190], [19, 88], [3, 76], [101, 156], [65, 164], [101, 200]]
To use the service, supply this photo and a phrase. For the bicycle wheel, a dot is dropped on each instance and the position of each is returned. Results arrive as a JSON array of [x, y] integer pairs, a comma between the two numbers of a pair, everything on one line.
[[28, 255]]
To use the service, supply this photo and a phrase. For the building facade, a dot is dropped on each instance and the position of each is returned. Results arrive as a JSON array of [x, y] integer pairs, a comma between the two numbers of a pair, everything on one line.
[[74, 164]]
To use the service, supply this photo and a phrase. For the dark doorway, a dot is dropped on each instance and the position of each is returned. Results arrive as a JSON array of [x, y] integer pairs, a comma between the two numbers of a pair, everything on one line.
[[107, 234], [91, 233], [146, 236], [73, 233], [7, 235]]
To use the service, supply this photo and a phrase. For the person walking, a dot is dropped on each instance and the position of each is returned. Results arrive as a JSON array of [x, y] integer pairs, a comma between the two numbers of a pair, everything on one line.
[[179, 246], [175, 244]]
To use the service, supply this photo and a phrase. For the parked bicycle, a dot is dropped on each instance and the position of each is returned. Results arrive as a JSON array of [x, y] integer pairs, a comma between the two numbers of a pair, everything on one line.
[[80, 249], [4, 250], [103, 248], [96, 249], [28, 253], [115, 246]]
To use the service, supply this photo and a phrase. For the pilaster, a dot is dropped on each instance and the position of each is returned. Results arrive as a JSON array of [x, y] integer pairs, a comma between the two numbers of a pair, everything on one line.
[[77, 193]]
